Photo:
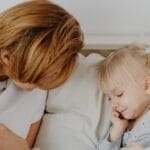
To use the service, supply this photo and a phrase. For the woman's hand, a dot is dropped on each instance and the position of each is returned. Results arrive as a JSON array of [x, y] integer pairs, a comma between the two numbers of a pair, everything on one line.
[[10, 141], [133, 146]]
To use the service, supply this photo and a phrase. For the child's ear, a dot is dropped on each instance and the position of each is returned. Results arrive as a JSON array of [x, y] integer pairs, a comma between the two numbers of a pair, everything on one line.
[[147, 84], [5, 56]]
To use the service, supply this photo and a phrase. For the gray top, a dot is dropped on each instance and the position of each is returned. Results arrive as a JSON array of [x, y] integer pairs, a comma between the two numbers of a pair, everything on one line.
[[3, 85], [139, 133]]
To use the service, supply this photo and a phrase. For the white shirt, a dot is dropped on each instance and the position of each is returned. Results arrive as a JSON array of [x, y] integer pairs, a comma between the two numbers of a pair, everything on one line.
[[20, 108], [77, 113]]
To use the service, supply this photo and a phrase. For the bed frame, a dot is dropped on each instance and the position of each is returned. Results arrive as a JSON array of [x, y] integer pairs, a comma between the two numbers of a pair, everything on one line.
[[104, 53]]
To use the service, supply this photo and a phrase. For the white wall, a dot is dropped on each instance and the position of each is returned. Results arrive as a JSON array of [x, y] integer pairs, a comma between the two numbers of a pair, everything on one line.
[[4, 4], [111, 22], [107, 22]]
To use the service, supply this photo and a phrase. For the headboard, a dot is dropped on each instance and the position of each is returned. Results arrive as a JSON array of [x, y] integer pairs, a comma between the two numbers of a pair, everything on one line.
[[104, 53]]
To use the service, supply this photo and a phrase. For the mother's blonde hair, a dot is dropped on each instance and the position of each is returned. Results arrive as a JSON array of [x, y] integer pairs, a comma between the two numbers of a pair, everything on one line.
[[43, 40], [121, 62]]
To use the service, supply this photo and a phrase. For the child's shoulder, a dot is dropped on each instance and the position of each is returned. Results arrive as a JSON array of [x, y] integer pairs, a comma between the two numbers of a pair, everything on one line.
[[145, 120], [143, 126], [148, 112]]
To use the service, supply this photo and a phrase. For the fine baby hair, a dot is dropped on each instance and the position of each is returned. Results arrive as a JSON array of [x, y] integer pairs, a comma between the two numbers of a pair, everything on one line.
[[126, 61]]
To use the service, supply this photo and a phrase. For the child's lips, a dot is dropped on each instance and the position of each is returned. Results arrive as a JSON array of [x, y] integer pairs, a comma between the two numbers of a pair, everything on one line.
[[123, 111]]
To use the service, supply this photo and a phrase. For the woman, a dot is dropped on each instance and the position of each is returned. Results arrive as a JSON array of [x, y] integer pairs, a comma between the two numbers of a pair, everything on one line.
[[39, 43]]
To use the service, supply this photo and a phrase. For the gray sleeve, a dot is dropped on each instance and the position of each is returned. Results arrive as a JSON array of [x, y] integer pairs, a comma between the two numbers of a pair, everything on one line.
[[106, 145], [142, 133], [144, 140], [147, 148]]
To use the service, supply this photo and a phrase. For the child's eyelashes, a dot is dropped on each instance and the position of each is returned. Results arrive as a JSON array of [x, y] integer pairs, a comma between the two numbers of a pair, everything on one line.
[[109, 98], [115, 95], [119, 95]]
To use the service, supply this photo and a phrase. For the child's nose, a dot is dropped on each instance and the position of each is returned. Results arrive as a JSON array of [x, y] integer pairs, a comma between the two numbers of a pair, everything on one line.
[[114, 105], [120, 108]]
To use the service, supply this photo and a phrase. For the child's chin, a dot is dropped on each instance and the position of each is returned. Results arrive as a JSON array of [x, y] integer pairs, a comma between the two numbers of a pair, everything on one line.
[[129, 117], [126, 117]]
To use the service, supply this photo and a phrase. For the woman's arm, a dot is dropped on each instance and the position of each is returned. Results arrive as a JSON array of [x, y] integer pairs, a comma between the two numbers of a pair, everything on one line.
[[11, 141], [33, 133]]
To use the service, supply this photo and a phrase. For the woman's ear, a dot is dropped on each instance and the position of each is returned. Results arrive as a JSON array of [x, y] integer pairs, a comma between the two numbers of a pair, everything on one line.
[[147, 84], [5, 57]]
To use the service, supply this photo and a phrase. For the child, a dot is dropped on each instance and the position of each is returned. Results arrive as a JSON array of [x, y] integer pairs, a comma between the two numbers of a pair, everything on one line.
[[125, 79]]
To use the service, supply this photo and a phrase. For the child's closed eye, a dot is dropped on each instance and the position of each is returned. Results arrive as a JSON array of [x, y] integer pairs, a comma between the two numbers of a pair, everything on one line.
[[120, 94], [109, 98]]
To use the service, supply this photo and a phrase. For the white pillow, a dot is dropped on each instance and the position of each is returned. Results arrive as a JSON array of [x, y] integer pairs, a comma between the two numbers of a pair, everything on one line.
[[74, 111]]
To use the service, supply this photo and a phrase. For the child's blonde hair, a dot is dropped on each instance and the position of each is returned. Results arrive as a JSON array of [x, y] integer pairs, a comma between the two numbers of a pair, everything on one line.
[[123, 61], [43, 40]]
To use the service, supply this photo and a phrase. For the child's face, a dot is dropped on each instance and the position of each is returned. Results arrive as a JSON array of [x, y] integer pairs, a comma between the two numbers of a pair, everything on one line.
[[128, 98]]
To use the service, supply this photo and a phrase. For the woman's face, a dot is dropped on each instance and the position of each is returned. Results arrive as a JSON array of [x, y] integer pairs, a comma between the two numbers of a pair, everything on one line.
[[25, 86], [51, 81], [48, 83]]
